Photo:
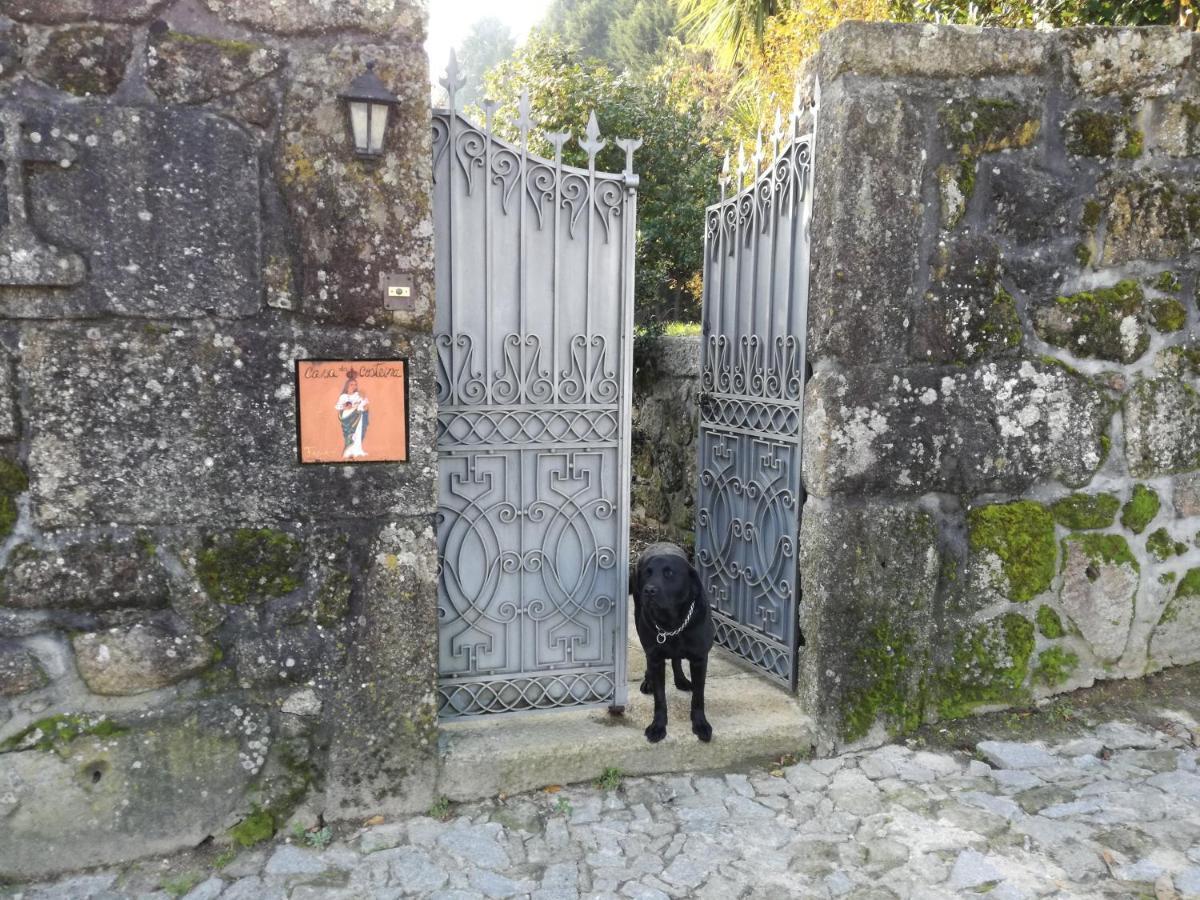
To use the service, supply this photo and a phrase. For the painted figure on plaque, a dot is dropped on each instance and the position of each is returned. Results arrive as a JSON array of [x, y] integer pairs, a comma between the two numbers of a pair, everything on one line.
[[352, 410]]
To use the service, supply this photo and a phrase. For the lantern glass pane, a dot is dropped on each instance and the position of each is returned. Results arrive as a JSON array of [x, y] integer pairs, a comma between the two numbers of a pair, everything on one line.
[[359, 123], [379, 117]]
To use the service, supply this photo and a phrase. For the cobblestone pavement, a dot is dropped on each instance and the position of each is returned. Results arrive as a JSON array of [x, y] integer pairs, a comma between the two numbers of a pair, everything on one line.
[[1113, 813]]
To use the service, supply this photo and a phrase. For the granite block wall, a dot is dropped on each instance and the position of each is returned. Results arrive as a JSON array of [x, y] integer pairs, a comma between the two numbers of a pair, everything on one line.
[[198, 636], [1002, 433]]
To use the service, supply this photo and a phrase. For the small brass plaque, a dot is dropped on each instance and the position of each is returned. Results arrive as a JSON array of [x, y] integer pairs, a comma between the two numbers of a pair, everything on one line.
[[398, 291]]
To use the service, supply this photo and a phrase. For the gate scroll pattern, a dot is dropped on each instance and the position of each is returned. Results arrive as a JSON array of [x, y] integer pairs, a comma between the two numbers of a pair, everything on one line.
[[752, 399], [533, 338]]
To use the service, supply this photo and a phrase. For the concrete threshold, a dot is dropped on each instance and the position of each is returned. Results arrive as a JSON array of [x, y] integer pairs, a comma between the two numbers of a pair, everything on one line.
[[753, 720]]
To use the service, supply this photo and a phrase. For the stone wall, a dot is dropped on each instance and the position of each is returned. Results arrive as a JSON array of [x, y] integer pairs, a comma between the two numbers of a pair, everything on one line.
[[197, 633], [1002, 434], [664, 452]]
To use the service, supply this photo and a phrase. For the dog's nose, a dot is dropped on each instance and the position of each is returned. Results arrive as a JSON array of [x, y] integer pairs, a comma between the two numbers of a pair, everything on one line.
[[651, 590]]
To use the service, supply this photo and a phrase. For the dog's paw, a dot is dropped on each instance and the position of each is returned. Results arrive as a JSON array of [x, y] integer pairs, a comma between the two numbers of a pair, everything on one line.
[[655, 732], [702, 730], [645, 688], [682, 684]]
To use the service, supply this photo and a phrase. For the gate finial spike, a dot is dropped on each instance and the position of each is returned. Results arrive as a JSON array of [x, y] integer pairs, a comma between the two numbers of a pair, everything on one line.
[[453, 79], [629, 145], [524, 118], [489, 110], [557, 139], [757, 158], [777, 131], [741, 166], [592, 142]]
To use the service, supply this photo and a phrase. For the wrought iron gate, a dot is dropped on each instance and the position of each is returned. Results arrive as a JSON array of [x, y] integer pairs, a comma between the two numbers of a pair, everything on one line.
[[534, 326], [751, 400]]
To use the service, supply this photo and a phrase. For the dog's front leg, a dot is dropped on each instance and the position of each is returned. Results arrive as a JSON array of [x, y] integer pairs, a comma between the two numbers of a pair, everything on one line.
[[656, 672], [700, 726]]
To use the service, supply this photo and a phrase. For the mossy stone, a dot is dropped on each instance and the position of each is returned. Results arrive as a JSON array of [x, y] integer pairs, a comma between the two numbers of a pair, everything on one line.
[[987, 125], [13, 481], [1141, 509], [988, 666], [1110, 549], [1168, 314], [1054, 666], [1167, 282], [882, 674], [1049, 623], [55, 733], [1091, 324], [1162, 546], [257, 827], [1083, 511], [249, 565], [1021, 534]]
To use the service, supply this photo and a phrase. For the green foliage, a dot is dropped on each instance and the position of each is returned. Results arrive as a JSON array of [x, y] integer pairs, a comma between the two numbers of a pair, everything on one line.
[[562, 807], [179, 885], [1048, 623], [1167, 282], [731, 28], [257, 827], [677, 163], [622, 34], [1189, 585], [1107, 549], [1034, 13], [314, 838], [1021, 534], [1054, 666], [988, 666], [440, 809], [610, 779], [1141, 509], [248, 565], [1083, 511], [487, 44], [1162, 546], [879, 686], [225, 857]]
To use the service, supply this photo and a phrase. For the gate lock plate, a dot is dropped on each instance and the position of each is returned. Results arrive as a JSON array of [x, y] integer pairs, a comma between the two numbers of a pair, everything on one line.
[[399, 293]]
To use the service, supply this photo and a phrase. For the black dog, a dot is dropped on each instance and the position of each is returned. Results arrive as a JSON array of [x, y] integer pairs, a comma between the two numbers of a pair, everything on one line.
[[673, 622]]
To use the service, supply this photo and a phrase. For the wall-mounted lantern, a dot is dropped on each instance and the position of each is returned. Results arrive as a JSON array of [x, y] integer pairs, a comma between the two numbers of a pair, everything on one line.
[[368, 105]]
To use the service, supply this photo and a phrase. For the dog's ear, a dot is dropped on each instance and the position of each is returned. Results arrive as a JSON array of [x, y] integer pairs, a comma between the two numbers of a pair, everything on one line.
[[697, 586], [635, 580]]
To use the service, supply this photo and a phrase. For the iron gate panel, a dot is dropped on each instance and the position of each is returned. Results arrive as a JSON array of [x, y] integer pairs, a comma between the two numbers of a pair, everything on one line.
[[533, 331], [751, 401]]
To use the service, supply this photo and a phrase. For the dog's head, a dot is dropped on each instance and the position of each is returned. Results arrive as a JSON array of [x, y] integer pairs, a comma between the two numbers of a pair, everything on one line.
[[666, 584]]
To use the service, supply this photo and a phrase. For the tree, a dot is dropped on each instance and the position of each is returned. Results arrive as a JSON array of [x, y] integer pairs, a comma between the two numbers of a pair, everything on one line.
[[733, 29], [622, 34], [489, 43], [677, 162]]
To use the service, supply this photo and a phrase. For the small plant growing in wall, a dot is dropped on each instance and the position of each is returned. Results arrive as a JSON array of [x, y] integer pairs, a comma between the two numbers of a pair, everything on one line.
[[562, 807], [440, 809], [610, 779]]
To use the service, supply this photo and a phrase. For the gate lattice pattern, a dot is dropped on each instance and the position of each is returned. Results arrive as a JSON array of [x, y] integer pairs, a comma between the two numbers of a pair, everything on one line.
[[751, 401], [533, 334]]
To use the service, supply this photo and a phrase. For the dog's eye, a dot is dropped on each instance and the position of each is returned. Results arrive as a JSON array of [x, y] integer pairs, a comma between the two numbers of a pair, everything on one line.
[[668, 572]]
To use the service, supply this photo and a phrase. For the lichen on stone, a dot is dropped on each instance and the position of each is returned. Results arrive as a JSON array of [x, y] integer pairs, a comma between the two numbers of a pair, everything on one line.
[[55, 733], [1103, 134], [1084, 511], [249, 565], [1021, 535], [986, 125], [881, 673], [1140, 510], [1054, 666], [988, 666], [1049, 623], [1105, 323]]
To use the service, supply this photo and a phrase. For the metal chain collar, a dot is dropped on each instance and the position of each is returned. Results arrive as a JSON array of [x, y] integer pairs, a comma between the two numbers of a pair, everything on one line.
[[663, 635]]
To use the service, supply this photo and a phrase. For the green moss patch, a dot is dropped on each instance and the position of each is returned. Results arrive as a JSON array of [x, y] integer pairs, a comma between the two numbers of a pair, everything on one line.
[[981, 126], [1105, 549], [248, 565], [1101, 134], [1055, 666], [1049, 623], [1162, 546], [881, 686], [1141, 509], [57, 732], [257, 827], [1189, 585], [988, 667], [1083, 511], [1089, 323], [1021, 534], [13, 481], [1167, 282], [1168, 314]]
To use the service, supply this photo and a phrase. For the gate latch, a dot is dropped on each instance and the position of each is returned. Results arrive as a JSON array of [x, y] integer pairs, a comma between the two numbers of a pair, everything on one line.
[[399, 293]]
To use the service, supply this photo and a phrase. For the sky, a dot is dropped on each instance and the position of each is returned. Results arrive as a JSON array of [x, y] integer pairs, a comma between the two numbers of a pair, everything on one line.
[[451, 20]]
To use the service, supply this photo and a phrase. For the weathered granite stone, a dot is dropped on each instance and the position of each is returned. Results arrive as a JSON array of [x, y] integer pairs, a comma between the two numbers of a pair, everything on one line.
[[1177, 131], [9, 417], [163, 205], [1105, 323], [872, 571], [1147, 217], [289, 655], [112, 793], [139, 658], [20, 671], [966, 314], [356, 221], [215, 404], [1173, 642], [1099, 588], [1148, 61], [1162, 428], [869, 206], [84, 59], [12, 48], [1000, 426], [22, 623], [80, 10], [1186, 495], [1030, 206], [188, 68], [85, 574], [397, 18]]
